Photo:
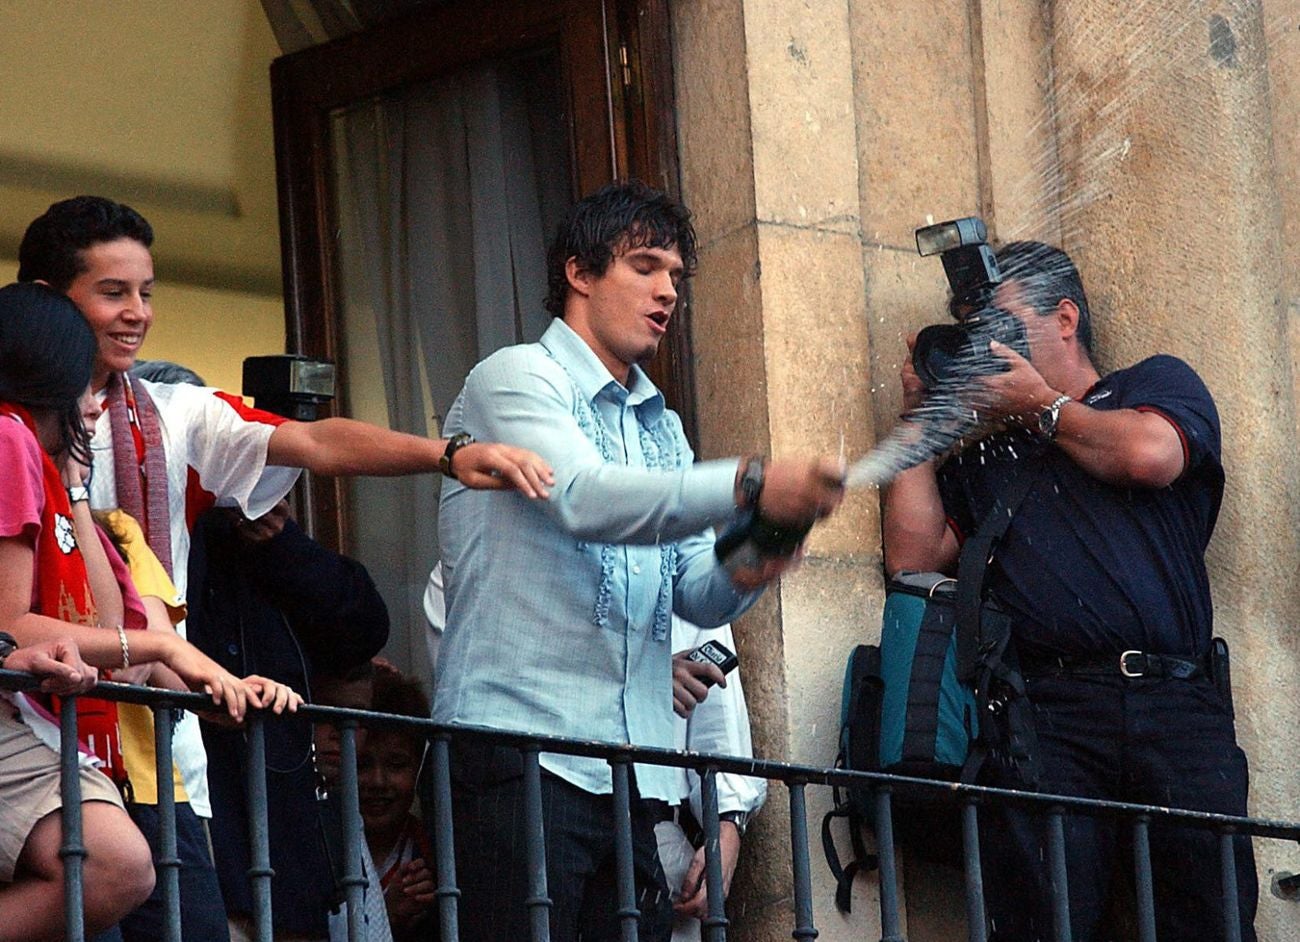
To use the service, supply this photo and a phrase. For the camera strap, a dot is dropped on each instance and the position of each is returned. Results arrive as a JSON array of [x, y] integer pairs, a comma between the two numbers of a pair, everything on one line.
[[972, 568], [985, 659]]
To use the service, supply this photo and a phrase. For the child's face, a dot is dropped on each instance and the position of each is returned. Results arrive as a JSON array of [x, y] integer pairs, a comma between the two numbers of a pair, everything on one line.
[[388, 768], [354, 695]]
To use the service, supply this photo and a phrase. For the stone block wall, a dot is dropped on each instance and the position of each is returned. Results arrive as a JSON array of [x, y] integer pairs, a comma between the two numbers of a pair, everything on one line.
[[1156, 142]]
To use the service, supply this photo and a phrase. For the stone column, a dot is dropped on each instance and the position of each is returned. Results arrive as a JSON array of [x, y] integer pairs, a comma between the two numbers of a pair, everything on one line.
[[1167, 133], [815, 136], [1283, 39], [769, 165]]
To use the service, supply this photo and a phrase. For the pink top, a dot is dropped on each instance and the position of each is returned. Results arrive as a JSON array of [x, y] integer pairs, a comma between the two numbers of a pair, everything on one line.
[[23, 499]]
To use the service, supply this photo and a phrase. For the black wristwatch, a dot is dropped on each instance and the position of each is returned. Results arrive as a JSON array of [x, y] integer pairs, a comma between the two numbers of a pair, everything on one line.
[[454, 444], [8, 645], [739, 818], [751, 482]]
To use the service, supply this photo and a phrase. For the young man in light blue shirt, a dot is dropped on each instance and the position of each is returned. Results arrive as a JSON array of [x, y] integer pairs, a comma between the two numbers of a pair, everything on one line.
[[558, 617]]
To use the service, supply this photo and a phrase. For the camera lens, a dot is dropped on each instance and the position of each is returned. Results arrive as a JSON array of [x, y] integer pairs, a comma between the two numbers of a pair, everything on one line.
[[952, 352], [937, 352]]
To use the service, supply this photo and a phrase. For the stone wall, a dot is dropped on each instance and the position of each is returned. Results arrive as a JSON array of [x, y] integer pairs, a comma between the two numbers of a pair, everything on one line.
[[1156, 142]]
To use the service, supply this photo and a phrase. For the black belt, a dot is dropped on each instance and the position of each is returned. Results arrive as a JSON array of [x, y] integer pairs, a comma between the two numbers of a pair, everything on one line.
[[1132, 664], [660, 810], [679, 814]]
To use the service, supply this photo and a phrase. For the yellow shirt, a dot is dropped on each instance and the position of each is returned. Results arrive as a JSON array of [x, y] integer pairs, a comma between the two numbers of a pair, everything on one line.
[[134, 721]]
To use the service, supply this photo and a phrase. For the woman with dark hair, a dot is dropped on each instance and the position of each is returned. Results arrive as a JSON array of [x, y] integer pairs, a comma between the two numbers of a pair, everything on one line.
[[56, 582], [45, 357]]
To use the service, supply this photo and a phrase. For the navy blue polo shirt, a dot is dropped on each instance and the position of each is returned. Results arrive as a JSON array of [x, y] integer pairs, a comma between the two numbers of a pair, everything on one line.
[[1088, 568]]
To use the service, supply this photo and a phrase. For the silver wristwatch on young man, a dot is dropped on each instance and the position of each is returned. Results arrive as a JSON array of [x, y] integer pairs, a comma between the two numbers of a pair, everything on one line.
[[739, 818]]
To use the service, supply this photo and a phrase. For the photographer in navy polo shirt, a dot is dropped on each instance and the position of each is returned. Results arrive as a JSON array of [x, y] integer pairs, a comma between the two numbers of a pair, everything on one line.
[[1104, 556]]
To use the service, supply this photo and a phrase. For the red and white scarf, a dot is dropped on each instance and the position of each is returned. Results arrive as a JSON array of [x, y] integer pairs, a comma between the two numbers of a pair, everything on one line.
[[140, 463], [63, 592]]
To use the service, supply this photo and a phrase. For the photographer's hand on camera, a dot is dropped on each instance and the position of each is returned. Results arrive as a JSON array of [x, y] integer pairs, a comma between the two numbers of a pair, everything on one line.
[[1017, 395], [913, 388]]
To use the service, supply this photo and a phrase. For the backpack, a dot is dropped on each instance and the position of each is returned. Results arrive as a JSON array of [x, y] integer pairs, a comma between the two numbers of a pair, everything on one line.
[[905, 712], [859, 748], [913, 705]]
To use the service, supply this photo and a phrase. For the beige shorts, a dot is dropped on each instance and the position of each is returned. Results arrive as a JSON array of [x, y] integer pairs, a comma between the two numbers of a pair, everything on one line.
[[29, 786]]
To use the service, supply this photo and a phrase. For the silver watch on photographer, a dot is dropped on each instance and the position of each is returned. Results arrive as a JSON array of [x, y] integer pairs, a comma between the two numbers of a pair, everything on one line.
[[1050, 418]]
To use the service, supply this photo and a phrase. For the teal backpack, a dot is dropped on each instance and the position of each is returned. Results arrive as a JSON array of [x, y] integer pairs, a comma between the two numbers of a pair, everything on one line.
[[905, 712], [913, 704]]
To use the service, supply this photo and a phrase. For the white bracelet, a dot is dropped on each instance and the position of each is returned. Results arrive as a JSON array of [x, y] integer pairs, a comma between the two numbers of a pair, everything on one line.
[[126, 651]]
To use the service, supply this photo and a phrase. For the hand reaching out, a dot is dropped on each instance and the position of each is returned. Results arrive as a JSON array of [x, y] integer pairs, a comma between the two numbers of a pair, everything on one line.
[[491, 466]]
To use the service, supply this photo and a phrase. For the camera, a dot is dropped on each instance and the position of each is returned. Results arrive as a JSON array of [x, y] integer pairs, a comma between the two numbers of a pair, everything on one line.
[[289, 385], [948, 352]]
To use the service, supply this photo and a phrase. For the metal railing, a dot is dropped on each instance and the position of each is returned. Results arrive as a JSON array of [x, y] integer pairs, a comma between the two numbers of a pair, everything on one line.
[[620, 758]]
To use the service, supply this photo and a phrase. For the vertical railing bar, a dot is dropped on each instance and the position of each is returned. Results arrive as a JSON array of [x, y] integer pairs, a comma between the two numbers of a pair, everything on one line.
[[1228, 867], [628, 914], [715, 923], [260, 873], [73, 850], [803, 897], [1060, 880], [168, 862], [890, 925], [444, 840], [977, 926], [354, 878], [1146, 905], [538, 902]]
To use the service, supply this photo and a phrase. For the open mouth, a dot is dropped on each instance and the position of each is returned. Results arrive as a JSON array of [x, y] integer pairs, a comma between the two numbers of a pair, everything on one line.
[[660, 320]]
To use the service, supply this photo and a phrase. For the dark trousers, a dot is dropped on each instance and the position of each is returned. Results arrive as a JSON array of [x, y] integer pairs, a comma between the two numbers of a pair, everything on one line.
[[1151, 741], [491, 857], [203, 915]]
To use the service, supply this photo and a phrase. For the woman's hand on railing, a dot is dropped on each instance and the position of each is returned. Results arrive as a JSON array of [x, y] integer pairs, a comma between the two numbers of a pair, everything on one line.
[[204, 675], [59, 665], [272, 695]]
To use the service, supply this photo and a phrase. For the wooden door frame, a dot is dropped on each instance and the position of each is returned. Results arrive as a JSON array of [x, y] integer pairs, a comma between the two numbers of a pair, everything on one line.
[[308, 86]]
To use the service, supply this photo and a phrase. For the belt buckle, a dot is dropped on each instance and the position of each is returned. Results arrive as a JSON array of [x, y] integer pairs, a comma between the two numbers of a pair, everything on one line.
[[1124, 668]]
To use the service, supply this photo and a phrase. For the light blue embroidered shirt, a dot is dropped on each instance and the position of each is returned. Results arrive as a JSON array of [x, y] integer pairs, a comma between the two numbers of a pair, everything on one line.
[[558, 610]]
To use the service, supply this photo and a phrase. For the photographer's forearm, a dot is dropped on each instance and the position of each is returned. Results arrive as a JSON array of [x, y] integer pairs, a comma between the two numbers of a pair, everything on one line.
[[1124, 447], [916, 533]]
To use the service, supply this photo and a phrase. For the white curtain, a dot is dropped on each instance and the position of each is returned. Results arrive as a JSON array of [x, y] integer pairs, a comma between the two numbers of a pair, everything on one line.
[[442, 197]]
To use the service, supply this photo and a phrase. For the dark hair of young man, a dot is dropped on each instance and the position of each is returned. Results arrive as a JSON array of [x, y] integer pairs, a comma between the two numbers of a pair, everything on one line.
[[52, 246], [46, 353], [1046, 275], [614, 219]]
